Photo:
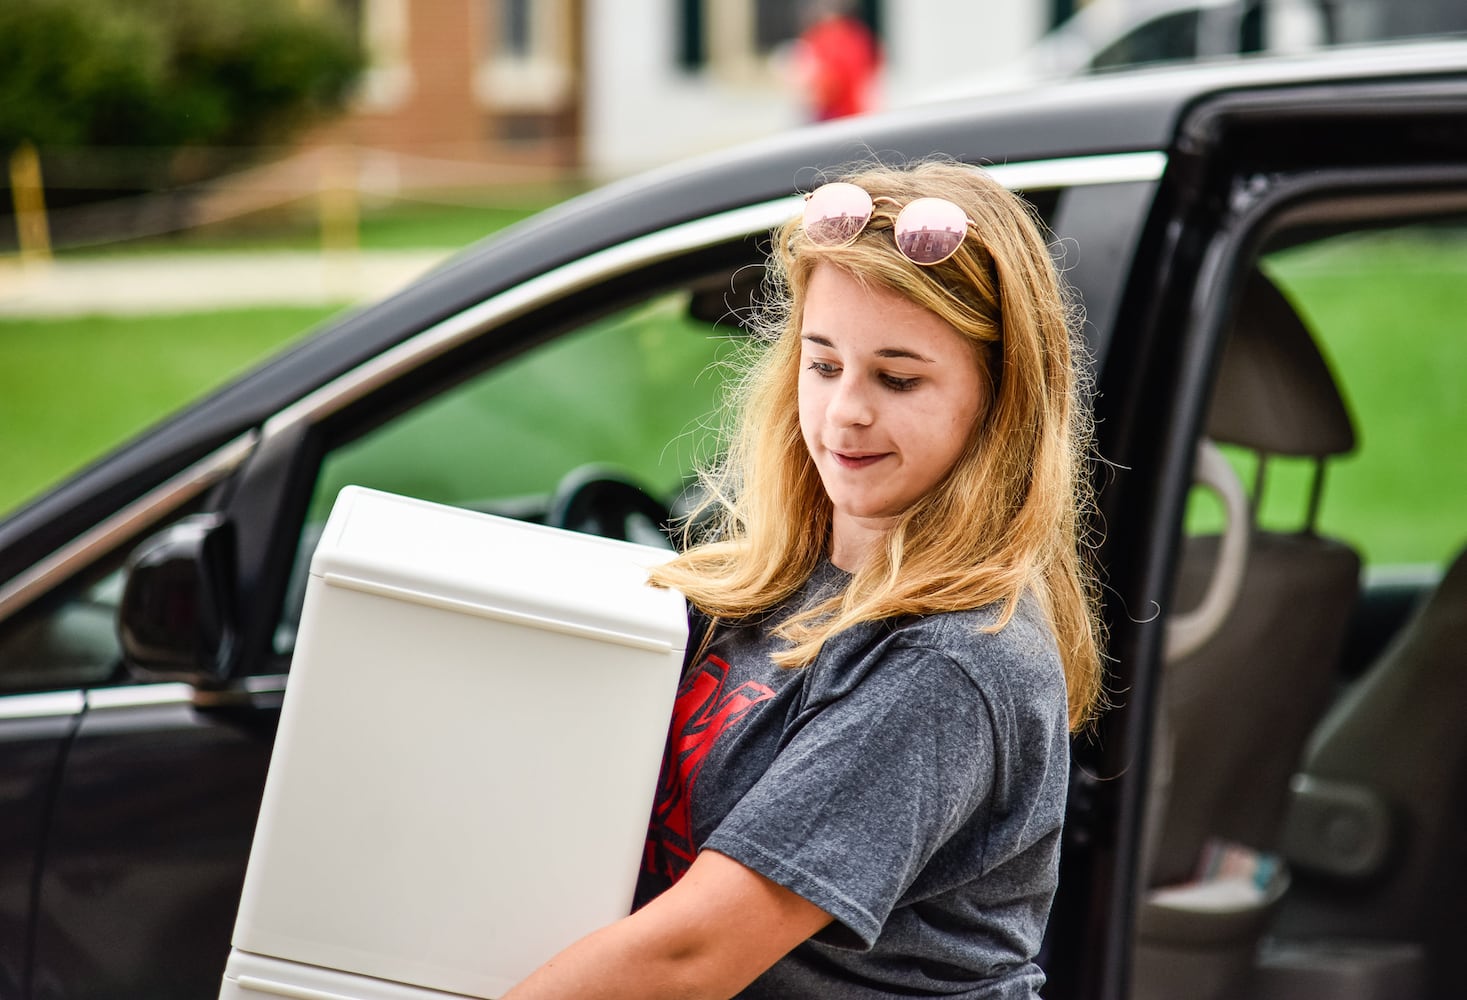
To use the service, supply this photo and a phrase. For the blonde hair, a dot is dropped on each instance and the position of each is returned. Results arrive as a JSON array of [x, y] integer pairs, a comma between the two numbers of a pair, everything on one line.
[[1008, 518]]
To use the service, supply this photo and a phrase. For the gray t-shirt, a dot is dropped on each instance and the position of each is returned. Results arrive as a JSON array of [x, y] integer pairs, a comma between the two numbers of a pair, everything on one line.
[[910, 782]]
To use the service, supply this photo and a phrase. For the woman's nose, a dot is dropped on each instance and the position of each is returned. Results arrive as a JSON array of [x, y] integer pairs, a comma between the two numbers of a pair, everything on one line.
[[850, 402]]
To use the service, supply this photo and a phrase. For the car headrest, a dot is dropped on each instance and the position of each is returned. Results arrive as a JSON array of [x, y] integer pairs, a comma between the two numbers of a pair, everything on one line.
[[1275, 393]]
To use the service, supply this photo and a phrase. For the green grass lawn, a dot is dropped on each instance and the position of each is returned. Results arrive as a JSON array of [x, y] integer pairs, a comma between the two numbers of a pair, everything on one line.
[[70, 389]]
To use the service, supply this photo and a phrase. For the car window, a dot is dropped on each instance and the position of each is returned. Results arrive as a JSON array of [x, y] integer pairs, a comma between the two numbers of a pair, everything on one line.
[[68, 638], [632, 396], [1169, 38], [1385, 308], [627, 391]]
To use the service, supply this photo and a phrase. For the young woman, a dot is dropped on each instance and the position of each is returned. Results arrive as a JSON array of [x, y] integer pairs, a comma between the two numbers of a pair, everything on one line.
[[894, 630]]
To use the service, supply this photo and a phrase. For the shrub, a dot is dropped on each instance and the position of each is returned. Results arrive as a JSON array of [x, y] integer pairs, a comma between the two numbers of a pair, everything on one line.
[[168, 73]]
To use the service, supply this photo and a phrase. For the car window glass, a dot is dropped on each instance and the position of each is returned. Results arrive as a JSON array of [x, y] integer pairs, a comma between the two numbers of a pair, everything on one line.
[[627, 391], [1385, 308], [633, 396], [68, 638], [1167, 38]]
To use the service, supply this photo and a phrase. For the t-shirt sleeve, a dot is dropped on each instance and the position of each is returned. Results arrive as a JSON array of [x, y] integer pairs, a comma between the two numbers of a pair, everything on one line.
[[871, 784]]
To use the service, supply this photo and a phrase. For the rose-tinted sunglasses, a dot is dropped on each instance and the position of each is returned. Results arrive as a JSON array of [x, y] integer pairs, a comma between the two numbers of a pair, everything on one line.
[[927, 231]]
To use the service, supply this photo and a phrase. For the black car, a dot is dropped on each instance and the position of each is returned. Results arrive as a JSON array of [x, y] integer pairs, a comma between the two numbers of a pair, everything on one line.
[[1271, 260]]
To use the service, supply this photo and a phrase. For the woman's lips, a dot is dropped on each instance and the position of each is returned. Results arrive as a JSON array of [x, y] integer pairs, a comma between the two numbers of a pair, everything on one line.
[[856, 460]]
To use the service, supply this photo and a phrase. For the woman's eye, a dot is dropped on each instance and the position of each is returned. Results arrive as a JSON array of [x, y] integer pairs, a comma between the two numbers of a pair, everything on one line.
[[900, 384], [823, 368]]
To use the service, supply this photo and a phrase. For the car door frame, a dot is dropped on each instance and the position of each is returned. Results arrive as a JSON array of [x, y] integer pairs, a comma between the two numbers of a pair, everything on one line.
[[1217, 197]]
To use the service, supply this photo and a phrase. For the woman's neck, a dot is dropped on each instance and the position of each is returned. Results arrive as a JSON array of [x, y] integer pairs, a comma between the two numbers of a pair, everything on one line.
[[852, 540]]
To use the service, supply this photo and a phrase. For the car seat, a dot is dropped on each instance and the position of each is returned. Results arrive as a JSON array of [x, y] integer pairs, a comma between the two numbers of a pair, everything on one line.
[[1237, 704], [1375, 828]]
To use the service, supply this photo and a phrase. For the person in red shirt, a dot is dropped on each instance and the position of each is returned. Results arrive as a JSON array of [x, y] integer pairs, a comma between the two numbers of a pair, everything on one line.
[[836, 60]]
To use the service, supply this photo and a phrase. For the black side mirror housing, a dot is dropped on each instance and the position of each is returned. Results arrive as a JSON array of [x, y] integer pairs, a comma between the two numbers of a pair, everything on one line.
[[176, 621]]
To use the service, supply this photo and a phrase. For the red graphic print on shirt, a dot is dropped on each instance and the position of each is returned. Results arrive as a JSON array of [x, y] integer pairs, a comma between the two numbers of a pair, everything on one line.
[[703, 712]]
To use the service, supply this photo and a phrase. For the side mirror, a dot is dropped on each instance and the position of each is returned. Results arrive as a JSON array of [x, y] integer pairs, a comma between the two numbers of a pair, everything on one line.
[[176, 621]]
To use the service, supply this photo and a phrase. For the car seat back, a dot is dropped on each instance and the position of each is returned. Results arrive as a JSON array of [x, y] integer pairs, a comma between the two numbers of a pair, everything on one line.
[[1391, 759], [1241, 706]]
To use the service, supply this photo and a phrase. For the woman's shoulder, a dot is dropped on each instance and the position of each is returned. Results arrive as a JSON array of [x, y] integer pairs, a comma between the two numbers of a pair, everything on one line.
[[1020, 654], [1026, 632]]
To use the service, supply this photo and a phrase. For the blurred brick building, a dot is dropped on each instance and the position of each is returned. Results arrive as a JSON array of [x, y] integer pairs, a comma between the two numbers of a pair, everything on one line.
[[493, 82], [602, 88], [606, 87]]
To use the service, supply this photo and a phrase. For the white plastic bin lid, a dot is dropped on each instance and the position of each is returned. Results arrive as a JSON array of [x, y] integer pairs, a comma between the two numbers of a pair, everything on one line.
[[414, 550]]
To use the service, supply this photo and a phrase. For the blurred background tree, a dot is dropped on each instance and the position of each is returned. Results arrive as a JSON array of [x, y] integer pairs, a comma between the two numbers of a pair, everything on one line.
[[211, 76]]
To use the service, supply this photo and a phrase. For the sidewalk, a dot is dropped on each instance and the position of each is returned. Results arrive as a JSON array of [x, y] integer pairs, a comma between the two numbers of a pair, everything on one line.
[[203, 281]]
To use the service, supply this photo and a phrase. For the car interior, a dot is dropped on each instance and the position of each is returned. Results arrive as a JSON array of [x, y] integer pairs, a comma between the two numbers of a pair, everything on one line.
[[1305, 802]]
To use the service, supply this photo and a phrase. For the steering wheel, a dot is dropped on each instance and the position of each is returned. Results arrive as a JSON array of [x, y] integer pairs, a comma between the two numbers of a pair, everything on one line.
[[600, 501]]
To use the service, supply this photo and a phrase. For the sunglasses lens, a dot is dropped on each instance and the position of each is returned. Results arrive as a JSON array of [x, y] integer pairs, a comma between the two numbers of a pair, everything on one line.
[[930, 230], [836, 213]]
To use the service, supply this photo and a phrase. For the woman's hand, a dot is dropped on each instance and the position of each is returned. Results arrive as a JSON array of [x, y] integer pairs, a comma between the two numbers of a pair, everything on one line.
[[710, 935]]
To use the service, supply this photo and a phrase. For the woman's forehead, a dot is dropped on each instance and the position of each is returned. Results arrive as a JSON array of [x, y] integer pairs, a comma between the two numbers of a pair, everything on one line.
[[841, 312]]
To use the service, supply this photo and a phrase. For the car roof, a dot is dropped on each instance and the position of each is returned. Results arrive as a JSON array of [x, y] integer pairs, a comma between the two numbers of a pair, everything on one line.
[[1110, 113]]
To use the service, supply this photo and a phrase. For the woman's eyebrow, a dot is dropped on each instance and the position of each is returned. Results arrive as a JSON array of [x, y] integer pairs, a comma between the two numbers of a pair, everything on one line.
[[885, 352], [899, 352]]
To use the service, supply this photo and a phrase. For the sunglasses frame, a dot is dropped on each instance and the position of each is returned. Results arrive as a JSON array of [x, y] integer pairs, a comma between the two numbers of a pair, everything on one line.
[[843, 230]]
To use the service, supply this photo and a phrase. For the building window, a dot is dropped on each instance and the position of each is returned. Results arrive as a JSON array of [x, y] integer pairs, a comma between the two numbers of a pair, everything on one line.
[[528, 61], [383, 28], [739, 37], [775, 23], [513, 29], [692, 53]]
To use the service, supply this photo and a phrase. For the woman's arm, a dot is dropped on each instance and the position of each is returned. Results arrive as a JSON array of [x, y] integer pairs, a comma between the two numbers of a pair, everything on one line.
[[710, 935]]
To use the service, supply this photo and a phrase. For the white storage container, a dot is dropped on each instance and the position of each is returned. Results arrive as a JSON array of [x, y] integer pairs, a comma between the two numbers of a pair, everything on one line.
[[467, 754]]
